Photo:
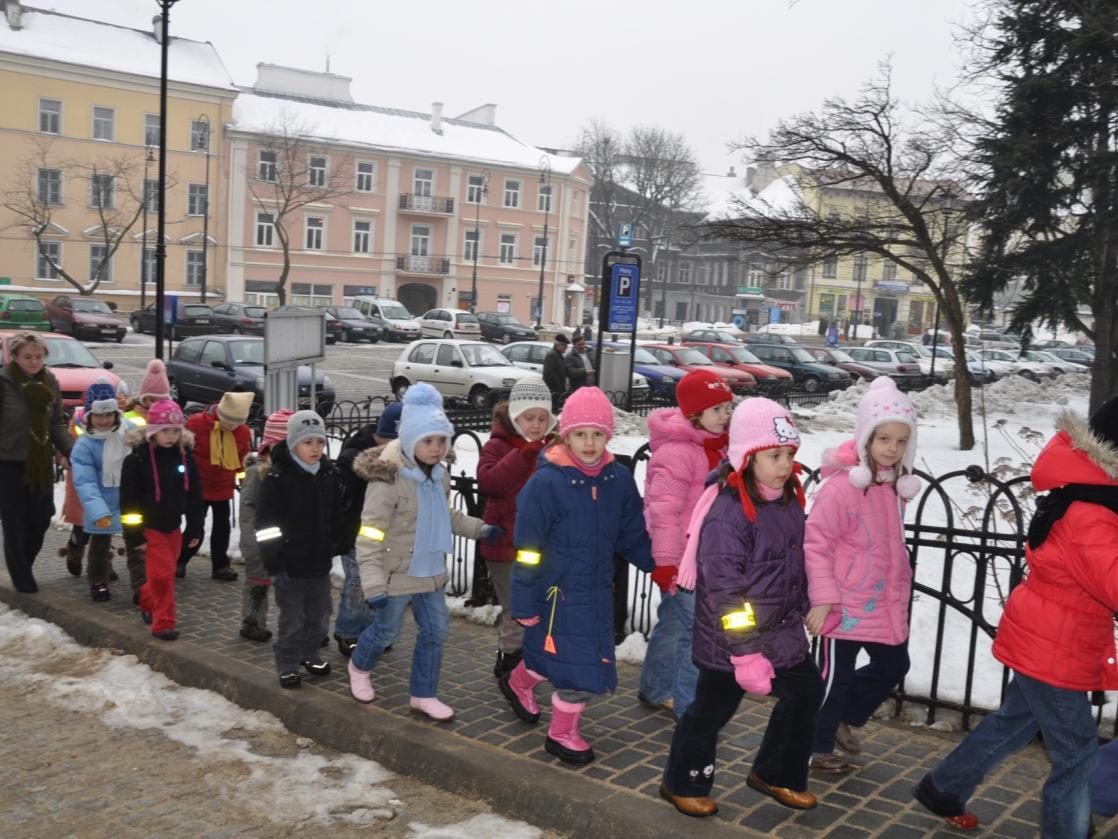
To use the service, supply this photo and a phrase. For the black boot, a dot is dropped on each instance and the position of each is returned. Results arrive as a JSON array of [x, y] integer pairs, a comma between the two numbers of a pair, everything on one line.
[[346, 646], [506, 662]]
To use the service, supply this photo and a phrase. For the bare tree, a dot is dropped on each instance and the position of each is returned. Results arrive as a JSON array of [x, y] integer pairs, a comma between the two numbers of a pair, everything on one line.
[[902, 201], [289, 178], [115, 190]]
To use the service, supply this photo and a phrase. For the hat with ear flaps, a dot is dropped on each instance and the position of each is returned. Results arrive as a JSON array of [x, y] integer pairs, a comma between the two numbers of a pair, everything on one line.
[[882, 403]]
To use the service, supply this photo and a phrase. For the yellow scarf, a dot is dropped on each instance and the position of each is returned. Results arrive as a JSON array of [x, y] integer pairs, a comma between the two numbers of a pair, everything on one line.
[[223, 449]]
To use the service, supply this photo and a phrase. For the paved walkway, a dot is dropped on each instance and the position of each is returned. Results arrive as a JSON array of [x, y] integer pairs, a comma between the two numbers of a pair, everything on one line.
[[488, 753]]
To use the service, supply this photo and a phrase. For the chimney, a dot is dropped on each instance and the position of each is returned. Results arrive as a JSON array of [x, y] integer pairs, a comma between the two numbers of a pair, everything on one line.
[[437, 117], [157, 28], [732, 173], [14, 13]]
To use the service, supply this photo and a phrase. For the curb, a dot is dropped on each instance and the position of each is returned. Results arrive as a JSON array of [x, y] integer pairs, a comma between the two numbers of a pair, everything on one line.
[[517, 787]]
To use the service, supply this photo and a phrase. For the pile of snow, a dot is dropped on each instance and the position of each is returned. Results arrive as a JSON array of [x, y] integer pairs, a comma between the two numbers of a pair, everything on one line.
[[484, 615], [629, 425], [484, 826], [632, 649]]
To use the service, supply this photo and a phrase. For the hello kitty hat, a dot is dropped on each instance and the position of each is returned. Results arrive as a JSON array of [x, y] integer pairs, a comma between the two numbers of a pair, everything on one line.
[[759, 424], [881, 403]]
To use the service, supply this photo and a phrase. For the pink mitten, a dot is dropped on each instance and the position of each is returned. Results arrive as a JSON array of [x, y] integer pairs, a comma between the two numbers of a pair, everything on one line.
[[532, 621], [753, 672]]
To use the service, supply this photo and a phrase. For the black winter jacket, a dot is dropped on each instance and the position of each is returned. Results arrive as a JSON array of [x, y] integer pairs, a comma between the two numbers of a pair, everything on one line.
[[180, 490], [352, 486]]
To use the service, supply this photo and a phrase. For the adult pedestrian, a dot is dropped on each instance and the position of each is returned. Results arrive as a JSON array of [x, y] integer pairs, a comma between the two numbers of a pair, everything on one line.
[[32, 434], [580, 370], [555, 371]]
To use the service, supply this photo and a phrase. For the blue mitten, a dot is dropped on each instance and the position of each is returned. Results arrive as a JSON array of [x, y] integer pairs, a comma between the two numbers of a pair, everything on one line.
[[377, 601], [490, 533]]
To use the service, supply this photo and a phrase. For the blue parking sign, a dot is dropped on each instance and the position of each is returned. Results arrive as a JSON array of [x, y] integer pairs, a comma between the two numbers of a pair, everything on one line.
[[624, 292], [625, 234]]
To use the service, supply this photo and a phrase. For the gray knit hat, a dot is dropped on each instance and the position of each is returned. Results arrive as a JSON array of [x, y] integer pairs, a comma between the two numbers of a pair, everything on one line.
[[304, 424], [528, 393]]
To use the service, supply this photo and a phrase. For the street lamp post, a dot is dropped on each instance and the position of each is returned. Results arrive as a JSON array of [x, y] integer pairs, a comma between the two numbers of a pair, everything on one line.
[[545, 180], [149, 158], [203, 143], [160, 244], [477, 234]]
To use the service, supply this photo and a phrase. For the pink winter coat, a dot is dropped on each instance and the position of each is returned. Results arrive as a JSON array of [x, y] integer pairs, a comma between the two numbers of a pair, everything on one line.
[[674, 481], [856, 556]]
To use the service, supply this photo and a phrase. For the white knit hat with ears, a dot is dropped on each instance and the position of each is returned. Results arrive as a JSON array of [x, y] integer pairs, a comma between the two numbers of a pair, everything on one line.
[[880, 404], [530, 392]]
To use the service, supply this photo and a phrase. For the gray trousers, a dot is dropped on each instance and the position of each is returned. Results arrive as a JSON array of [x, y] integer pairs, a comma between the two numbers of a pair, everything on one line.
[[304, 605], [254, 594], [510, 634]]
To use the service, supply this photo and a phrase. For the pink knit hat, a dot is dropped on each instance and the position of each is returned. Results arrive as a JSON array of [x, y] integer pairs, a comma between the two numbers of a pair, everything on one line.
[[155, 381], [275, 428], [163, 414], [759, 424], [882, 403], [587, 407]]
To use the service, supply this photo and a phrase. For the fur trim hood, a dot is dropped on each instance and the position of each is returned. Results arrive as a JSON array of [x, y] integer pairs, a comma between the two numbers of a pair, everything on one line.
[[1103, 454], [136, 439], [381, 463]]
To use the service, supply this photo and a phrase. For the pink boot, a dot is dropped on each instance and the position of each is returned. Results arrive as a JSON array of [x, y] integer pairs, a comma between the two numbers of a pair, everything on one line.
[[563, 739], [431, 707], [360, 684], [519, 688]]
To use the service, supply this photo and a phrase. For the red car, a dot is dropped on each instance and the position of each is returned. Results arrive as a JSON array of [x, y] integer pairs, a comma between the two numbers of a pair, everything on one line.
[[85, 317], [689, 358], [737, 357], [75, 367]]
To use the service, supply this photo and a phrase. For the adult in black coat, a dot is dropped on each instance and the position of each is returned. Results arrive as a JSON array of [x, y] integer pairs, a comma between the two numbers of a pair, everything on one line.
[[555, 371]]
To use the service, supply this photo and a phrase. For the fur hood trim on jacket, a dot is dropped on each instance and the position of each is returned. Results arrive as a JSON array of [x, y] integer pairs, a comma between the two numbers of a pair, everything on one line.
[[135, 438], [1101, 453], [381, 463]]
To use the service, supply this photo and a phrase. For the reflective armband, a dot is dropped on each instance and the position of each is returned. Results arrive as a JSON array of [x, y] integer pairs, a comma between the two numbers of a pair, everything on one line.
[[370, 532], [240, 476], [741, 619], [131, 518], [268, 534], [528, 557]]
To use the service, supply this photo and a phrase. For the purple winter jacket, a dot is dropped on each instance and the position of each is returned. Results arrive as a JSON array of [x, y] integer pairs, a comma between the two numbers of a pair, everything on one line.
[[760, 563]]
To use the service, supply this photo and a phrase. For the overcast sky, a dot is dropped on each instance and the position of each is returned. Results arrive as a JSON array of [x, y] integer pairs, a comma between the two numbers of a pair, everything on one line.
[[714, 70]]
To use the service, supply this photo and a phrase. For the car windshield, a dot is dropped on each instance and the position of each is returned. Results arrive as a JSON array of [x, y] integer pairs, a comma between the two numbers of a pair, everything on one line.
[[196, 311], [693, 357], [840, 356], [25, 306], [350, 313], [973, 356], [744, 356], [466, 317], [508, 320], [247, 352], [643, 356], [800, 354], [65, 352], [99, 307], [943, 352], [905, 357], [483, 355], [255, 311], [726, 338], [1033, 355], [395, 312]]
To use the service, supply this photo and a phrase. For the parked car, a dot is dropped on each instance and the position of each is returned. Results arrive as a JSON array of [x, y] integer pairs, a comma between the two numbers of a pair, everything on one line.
[[449, 323], [1058, 363], [190, 319], [1011, 360], [24, 312], [504, 328], [711, 336], [529, 355], [75, 367], [844, 361], [84, 317], [943, 368], [1073, 354], [768, 338], [354, 326], [899, 365], [204, 367], [977, 371], [239, 318], [333, 325], [737, 357], [689, 358], [472, 371], [808, 373], [1048, 344], [661, 377], [399, 323]]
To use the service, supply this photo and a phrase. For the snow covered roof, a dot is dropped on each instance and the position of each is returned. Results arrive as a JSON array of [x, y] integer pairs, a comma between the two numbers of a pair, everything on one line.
[[723, 192], [91, 43], [391, 129]]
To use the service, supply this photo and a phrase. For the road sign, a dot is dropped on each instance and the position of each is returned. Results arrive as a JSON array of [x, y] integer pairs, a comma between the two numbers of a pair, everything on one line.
[[624, 291], [170, 309], [625, 235]]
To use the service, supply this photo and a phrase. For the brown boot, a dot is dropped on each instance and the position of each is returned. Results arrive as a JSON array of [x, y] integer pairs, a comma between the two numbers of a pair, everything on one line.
[[830, 763], [73, 554], [100, 549], [796, 799], [698, 807], [847, 740]]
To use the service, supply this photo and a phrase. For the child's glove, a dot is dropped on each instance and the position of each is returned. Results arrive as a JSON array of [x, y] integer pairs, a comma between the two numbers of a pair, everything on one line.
[[753, 672], [532, 621], [377, 601], [531, 451], [103, 522], [491, 534], [664, 576]]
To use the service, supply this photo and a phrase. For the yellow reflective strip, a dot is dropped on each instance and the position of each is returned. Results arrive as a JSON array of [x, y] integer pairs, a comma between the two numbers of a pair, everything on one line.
[[78, 430], [739, 620], [268, 533], [528, 557], [240, 476], [132, 518], [370, 532]]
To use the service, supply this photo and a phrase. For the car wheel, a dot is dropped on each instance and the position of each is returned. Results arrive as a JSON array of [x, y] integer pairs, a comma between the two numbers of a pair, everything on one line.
[[346, 337], [176, 395], [1030, 375], [479, 398], [120, 340], [400, 387], [374, 339], [448, 334], [811, 384]]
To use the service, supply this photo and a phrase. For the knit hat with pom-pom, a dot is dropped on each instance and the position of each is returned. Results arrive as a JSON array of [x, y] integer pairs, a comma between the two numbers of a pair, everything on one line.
[[587, 407], [423, 416], [759, 424], [882, 403], [155, 381]]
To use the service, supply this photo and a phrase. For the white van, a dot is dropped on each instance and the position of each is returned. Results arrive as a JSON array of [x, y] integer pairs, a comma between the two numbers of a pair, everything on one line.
[[399, 323]]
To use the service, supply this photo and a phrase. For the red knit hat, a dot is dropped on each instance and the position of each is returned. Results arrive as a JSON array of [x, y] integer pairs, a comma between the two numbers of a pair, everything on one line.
[[701, 389], [275, 428]]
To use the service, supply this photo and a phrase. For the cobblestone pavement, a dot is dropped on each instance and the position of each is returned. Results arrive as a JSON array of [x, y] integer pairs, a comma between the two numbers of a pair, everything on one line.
[[631, 741]]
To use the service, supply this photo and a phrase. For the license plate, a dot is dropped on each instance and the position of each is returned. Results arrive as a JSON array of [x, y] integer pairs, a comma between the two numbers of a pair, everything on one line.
[[202, 320]]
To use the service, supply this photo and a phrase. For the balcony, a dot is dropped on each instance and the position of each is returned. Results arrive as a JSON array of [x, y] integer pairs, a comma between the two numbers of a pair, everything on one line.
[[432, 205], [425, 265]]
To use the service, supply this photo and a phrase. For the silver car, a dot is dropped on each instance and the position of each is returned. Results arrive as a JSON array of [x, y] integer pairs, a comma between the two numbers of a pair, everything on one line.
[[899, 365], [472, 371]]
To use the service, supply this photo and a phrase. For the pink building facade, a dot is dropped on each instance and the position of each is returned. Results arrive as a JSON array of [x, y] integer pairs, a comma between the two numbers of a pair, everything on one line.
[[400, 204]]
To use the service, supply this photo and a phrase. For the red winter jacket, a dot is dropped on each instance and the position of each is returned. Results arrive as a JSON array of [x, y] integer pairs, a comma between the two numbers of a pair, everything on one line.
[[507, 462], [217, 483], [1058, 625]]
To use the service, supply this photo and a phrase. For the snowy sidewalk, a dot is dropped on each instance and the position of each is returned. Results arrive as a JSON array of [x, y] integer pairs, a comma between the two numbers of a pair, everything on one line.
[[487, 753]]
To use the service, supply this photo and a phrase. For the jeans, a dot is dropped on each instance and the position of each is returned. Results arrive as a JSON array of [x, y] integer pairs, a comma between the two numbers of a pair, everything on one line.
[[353, 614], [853, 695], [668, 669], [433, 620], [1064, 719], [304, 616]]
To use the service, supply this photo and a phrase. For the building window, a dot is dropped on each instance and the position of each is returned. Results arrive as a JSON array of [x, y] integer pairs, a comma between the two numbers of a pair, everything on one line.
[[265, 230], [508, 248], [312, 294], [195, 267], [362, 236], [784, 280], [315, 228], [543, 201], [262, 298], [103, 123], [50, 186], [661, 272], [366, 175], [859, 268], [199, 135], [504, 304], [101, 191], [470, 249], [151, 195], [420, 240], [96, 257], [50, 116], [684, 275], [538, 251], [266, 170], [830, 267], [756, 275], [196, 203], [48, 251], [423, 182], [316, 171], [148, 266], [151, 129], [800, 277], [512, 194], [475, 189], [889, 271], [574, 201]]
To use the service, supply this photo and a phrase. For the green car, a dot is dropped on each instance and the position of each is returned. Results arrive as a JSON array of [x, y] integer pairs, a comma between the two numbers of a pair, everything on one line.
[[21, 311]]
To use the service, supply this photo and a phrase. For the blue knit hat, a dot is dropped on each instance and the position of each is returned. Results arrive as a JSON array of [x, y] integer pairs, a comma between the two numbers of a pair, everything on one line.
[[388, 426], [101, 398], [423, 416]]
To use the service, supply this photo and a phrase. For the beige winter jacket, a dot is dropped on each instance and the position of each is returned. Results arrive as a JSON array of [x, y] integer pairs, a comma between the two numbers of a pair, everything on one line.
[[391, 507]]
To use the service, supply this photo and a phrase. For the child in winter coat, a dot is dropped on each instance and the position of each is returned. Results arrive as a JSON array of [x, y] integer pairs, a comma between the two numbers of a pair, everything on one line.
[[159, 484], [687, 443], [407, 529], [297, 533], [744, 557], [96, 461], [520, 430], [254, 596], [858, 569], [1056, 634], [222, 441], [578, 510]]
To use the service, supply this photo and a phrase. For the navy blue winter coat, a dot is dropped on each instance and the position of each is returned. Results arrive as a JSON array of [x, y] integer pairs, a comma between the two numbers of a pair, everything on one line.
[[576, 523], [760, 563]]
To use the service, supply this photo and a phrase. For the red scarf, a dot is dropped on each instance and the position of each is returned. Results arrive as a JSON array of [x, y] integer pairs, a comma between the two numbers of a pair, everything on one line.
[[715, 448], [520, 444], [737, 481]]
